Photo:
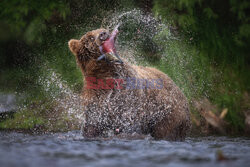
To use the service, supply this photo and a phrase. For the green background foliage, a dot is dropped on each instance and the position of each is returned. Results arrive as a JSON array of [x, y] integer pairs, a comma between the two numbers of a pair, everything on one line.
[[220, 32]]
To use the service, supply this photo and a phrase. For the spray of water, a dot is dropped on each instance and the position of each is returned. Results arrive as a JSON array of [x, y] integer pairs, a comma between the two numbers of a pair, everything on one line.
[[144, 38], [67, 101], [137, 32]]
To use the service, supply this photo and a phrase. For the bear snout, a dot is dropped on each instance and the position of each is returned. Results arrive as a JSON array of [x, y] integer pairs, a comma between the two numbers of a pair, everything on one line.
[[103, 36]]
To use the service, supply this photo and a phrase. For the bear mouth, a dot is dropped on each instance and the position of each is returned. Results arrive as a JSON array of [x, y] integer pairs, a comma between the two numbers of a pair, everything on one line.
[[108, 45], [109, 42]]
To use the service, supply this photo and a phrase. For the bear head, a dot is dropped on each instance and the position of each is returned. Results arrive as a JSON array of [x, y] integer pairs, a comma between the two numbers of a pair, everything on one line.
[[87, 48]]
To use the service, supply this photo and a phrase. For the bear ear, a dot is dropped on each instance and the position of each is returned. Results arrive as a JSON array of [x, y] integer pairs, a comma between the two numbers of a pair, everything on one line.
[[74, 46]]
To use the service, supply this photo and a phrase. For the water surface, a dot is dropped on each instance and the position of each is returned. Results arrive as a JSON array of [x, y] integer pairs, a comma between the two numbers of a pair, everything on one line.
[[70, 149]]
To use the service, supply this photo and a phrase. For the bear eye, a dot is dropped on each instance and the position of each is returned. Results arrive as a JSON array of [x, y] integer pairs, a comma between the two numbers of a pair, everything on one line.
[[92, 39]]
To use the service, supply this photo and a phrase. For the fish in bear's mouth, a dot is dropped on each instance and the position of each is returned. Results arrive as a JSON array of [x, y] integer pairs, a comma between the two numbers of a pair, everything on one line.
[[108, 46]]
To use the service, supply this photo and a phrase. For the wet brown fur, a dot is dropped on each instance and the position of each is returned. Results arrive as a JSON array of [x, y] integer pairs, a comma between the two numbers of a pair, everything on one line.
[[162, 113]]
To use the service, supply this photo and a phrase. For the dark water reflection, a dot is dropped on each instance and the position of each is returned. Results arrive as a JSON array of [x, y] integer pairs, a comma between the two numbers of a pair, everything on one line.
[[70, 149]]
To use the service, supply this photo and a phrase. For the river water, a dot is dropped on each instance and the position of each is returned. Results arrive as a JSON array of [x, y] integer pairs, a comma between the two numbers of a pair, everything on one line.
[[70, 149]]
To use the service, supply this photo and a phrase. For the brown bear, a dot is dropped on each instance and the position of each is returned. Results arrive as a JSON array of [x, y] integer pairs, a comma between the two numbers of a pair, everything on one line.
[[120, 98]]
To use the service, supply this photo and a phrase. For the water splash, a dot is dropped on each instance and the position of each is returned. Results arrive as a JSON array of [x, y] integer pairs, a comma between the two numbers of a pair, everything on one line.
[[137, 32], [144, 39], [67, 101]]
